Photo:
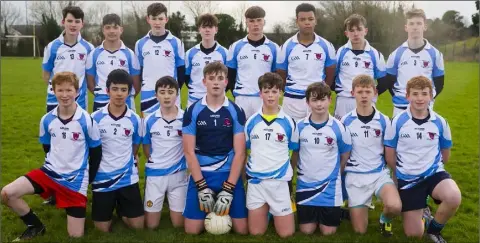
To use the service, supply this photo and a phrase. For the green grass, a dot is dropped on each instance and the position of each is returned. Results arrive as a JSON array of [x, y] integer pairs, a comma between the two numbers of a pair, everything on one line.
[[23, 104]]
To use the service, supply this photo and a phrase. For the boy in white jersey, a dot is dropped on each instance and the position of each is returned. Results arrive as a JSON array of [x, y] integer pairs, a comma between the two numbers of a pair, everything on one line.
[[355, 58], [324, 147], [270, 135], [248, 59], [67, 53], [165, 170], [207, 51], [417, 146], [110, 55], [160, 54], [69, 137], [366, 172], [116, 183], [415, 57], [304, 58]]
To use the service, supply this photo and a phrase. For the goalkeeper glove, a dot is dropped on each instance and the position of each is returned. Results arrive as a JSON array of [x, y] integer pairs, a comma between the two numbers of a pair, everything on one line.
[[206, 197], [224, 199]]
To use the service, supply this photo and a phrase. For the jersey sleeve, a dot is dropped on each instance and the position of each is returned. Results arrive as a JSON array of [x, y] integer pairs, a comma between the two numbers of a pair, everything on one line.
[[188, 63], [135, 67], [247, 134], [180, 54], [147, 137], [391, 136], [380, 68], [137, 133], [282, 59], [138, 53], [91, 68], [44, 135], [390, 67], [275, 56], [345, 141], [232, 56], [439, 67], [189, 125], [93, 136], [293, 143], [446, 136], [48, 59], [239, 123], [330, 58]]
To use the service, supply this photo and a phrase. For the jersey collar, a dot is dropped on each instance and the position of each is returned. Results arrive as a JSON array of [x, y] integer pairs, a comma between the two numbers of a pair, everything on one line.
[[295, 38], [78, 112], [433, 115], [280, 114], [105, 111], [122, 47], [367, 45], [427, 46], [180, 112], [375, 117], [245, 39], [62, 39], [329, 122], [197, 46], [225, 103], [169, 36]]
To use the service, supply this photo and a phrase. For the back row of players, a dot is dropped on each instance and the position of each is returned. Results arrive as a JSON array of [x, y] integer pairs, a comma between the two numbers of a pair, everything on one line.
[[216, 166]]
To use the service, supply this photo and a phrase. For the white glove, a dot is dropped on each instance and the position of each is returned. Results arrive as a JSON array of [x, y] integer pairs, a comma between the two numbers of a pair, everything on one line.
[[224, 199]]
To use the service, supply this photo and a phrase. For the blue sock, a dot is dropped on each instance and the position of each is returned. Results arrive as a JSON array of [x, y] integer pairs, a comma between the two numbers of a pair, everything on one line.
[[435, 227], [384, 219]]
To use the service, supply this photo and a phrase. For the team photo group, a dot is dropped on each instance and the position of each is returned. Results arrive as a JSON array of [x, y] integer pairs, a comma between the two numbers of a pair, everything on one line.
[[234, 160]]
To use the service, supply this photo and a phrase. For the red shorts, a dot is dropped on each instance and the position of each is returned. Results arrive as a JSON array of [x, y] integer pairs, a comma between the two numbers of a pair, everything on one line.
[[65, 198]]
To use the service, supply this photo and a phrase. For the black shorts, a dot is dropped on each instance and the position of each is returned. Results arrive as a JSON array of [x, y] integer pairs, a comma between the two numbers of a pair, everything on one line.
[[415, 197], [127, 200], [329, 216]]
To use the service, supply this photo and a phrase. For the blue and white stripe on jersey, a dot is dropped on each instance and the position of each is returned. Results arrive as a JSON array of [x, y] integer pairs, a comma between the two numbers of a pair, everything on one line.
[[269, 144], [367, 155], [349, 65], [195, 61], [101, 62], [406, 64], [318, 168], [304, 64], [157, 60], [418, 147], [117, 168], [67, 161], [251, 63], [219, 126], [166, 147], [59, 57]]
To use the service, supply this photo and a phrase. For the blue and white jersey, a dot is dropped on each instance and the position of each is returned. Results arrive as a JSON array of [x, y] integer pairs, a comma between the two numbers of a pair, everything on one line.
[[158, 60], [269, 144], [318, 169], [367, 155], [67, 161], [101, 62], [214, 131], [371, 62], [405, 64], [166, 145], [251, 62], [117, 168], [60, 57], [195, 61], [418, 147], [304, 64]]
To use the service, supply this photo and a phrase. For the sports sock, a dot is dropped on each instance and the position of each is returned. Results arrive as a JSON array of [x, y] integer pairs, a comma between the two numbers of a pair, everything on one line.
[[384, 219], [31, 219], [434, 227]]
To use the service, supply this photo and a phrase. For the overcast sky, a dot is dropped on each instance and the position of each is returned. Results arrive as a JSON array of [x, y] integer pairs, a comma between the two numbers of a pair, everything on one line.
[[282, 11]]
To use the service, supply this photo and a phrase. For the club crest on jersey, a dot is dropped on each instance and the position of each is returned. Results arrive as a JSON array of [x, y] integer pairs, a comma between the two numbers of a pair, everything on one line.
[[127, 132], [329, 140], [75, 135], [367, 64], [318, 56], [377, 132], [431, 135], [280, 137], [266, 57], [167, 53], [227, 122], [179, 132], [81, 56], [122, 62], [425, 64]]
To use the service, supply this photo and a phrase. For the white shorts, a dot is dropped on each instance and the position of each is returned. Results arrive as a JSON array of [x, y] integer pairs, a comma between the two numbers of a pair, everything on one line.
[[344, 105], [174, 185], [361, 187], [295, 108], [249, 104], [275, 193]]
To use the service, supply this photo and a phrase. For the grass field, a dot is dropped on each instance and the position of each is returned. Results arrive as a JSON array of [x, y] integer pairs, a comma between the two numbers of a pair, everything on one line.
[[23, 104]]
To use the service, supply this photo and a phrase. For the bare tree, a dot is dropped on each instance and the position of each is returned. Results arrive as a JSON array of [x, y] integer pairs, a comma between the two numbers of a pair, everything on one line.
[[96, 11], [240, 11], [198, 8], [9, 15], [50, 8]]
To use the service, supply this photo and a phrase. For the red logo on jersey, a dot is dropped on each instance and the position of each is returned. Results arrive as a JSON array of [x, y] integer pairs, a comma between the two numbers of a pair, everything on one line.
[[127, 132], [76, 135], [367, 64], [179, 132], [81, 56], [318, 56], [122, 62], [329, 140], [425, 64], [265, 57], [167, 53], [377, 132], [227, 122], [280, 137], [431, 135]]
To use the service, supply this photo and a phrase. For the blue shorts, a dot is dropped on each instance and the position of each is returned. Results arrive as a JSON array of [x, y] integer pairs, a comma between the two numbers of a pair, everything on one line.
[[215, 180]]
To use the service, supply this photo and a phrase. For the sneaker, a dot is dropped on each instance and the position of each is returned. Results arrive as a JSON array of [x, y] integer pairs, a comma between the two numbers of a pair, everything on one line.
[[386, 229], [31, 232], [437, 238], [49, 201]]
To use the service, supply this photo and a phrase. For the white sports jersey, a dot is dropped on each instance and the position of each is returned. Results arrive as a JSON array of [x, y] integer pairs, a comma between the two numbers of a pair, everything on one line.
[[251, 63], [117, 168], [157, 60], [318, 169], [304, 64], [349, 65], [67, 161], [418, 147], [195, 61], [166, 147], [59, 57], [101, 62], [270, 143], [367, 154], [406, 64]]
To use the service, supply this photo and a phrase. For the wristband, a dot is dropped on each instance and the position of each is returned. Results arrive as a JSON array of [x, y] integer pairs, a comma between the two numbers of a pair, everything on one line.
[[201, 184], [228, 187]]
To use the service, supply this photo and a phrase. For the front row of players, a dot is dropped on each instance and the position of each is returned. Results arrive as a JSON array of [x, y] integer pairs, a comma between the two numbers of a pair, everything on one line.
[[212, 138]]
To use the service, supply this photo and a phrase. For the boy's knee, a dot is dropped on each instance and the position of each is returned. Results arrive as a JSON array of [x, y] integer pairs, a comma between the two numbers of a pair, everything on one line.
[[4, 196]]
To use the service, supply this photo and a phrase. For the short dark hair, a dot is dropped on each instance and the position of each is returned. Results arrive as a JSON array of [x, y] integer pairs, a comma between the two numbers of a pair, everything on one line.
[[111, 19], [270, 80], [156, 9], [305, 7], [77, 12], [412, 13], [215, 68], [166, 82], [354, 20], [318, 90], [209, 20], [255, 12], [119, 76]]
